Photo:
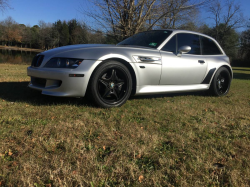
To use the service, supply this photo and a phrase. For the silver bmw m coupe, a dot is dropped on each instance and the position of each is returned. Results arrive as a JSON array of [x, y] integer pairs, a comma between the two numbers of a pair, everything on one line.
[[152, 62]]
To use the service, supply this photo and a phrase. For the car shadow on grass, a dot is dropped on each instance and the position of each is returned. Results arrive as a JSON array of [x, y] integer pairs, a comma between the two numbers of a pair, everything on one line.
[[241, 69], [19, 92], [242, 76]]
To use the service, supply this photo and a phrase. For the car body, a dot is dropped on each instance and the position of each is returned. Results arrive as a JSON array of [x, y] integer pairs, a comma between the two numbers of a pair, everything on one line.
[[174, 61]]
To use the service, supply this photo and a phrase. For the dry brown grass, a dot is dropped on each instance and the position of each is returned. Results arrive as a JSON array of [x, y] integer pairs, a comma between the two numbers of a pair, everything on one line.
[[170, 140]]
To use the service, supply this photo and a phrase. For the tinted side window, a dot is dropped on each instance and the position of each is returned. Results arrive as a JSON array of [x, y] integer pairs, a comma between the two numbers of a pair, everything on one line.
[[191, 40], [209, 47], [170, 45]]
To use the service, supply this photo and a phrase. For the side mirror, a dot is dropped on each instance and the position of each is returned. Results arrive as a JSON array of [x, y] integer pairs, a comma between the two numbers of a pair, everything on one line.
[[183, 49]]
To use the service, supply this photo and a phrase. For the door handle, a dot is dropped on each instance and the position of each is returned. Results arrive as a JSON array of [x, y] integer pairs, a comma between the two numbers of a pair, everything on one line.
[[201, 61]]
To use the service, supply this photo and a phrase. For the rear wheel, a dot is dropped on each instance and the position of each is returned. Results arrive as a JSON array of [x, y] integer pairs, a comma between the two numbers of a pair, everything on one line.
[[111, 85], [221, 82]]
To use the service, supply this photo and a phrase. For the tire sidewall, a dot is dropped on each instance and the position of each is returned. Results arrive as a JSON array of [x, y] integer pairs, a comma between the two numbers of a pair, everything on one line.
[[214, 83], [94, 83]]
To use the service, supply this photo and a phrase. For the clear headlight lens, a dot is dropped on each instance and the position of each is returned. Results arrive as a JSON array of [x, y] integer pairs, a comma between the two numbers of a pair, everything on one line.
[[71, 63]]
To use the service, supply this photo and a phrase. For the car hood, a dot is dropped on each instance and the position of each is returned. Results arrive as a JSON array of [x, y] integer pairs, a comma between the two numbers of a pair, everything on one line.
[[98, 51], [74, 47]]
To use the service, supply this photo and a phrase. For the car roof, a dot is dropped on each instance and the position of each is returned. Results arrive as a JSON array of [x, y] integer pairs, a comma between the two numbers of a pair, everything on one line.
[[186, 31], [182, 31], [175, 31]]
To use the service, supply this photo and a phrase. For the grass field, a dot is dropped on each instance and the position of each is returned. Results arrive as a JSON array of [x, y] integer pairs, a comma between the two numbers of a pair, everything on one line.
[[168, 140]]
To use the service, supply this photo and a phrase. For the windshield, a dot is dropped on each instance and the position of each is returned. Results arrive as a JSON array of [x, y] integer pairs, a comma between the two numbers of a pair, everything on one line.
[[147, 39]]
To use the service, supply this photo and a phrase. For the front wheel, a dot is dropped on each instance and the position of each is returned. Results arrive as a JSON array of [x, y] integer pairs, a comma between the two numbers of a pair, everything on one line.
[[111, 85], [221, 82]]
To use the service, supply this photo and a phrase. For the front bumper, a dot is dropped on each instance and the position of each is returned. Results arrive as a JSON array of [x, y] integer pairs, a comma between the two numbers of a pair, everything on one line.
[[58, 82]]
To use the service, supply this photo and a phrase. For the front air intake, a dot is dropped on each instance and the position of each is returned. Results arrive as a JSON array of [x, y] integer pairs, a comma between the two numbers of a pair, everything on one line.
[[37, 60]]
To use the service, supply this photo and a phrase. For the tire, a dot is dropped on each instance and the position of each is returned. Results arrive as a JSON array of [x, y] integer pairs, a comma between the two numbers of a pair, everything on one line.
[[221, 82], [110, 85]]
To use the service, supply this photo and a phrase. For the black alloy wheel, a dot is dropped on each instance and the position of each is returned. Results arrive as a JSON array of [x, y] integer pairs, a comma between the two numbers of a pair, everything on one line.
[[111, 84], [221, 82]]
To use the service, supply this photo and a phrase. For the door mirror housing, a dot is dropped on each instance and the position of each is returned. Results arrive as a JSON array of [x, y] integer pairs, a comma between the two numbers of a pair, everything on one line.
[[183, 49]]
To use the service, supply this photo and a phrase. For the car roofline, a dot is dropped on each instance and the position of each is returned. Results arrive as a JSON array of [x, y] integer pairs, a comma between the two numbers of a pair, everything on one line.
[[175, 31], [186, 31]]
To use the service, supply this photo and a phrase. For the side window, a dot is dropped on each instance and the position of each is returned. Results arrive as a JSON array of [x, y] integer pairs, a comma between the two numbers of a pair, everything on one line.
[[170, 45], [209, 47], [191, 40]]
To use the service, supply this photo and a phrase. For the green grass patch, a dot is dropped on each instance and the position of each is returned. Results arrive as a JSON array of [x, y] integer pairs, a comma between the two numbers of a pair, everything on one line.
[[188, 139]]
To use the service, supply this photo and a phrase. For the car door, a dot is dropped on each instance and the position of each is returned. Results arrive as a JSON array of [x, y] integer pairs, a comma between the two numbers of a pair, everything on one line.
[[184, 69]]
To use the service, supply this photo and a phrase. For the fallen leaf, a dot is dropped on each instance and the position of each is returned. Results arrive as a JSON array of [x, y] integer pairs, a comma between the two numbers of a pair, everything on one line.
[[14, 163], [104, 147], [10, 153], [141, 178]]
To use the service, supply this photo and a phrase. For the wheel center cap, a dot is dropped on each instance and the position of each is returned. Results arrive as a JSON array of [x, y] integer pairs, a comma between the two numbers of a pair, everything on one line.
[[219, 84], [112, 85]]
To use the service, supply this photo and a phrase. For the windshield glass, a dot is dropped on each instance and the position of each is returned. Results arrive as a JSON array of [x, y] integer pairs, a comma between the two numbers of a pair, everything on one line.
[[147, 39]]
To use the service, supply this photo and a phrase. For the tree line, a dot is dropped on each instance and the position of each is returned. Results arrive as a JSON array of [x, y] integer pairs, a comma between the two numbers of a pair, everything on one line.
[[116, 20], [46, 35]]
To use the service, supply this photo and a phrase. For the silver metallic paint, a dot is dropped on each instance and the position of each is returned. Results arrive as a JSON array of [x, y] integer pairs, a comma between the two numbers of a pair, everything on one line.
[[170, 88], [166, 73], [183, 70]]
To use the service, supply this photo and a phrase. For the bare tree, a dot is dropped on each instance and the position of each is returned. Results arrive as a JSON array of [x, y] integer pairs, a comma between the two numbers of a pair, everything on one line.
[[179, 18], [127, 17], [245, 45], [228, 17], [11, 31], [4, 4], [228, 13]]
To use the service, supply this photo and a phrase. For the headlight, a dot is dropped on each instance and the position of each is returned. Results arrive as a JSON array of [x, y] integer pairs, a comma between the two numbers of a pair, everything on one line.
[[63, 63]]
